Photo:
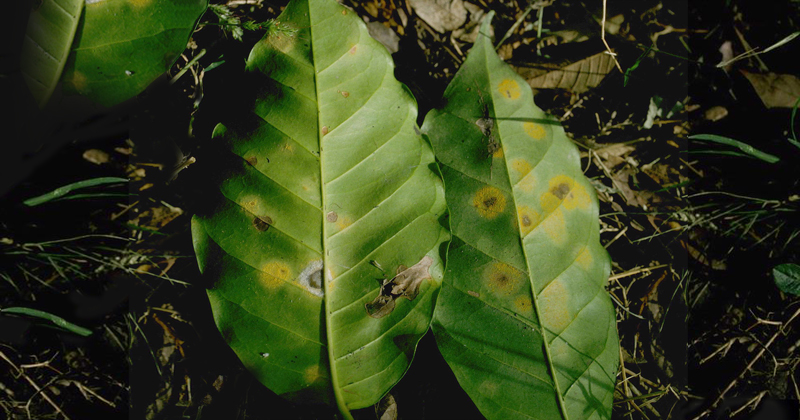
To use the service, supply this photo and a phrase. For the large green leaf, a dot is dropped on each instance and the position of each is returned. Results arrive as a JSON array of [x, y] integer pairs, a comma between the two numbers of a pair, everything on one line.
[[45, 48], [523, 318], [124, 45], [327, 192]]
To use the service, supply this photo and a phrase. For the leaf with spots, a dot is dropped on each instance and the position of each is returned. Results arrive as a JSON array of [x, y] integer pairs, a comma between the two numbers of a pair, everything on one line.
[[523, 318], [321, 236], [124, 45]]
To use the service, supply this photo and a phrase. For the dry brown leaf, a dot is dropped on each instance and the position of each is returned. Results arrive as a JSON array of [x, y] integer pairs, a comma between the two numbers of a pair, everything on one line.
[[441, 15], [98, 157], [775, 90], [577, 77]]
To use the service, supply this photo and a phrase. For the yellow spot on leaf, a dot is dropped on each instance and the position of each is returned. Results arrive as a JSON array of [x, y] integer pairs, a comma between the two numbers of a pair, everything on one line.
[[527, 219], [564, 189], [343, 222], [524, 306], [489, 389], [140, 3], [554, 307], [345, 93], [509, 89], [585, 259], [288, 147], [555, 227], [527, 183], [521, 166], [502, 278], [498, 153], [77, 81], [489, 201], [275, 273], [353, 50], [534, 130], [311, 374]]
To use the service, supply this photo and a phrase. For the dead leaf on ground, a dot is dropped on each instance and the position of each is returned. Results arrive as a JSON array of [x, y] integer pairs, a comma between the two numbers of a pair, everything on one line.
[[775, 90], [386, 408], [613, 155], [441, 15], [96, 156], [577, 77], [156, 217]]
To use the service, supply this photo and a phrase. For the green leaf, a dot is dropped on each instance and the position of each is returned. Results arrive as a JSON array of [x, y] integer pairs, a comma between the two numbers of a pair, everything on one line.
[[61, 192], [787, 278], [744, 147], [124, 45], [55, 319], [523, 318], [51, 29], [325, 178]]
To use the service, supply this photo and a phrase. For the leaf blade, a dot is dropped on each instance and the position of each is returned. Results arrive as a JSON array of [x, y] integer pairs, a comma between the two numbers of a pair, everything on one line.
[[326, 176], [525, 276]]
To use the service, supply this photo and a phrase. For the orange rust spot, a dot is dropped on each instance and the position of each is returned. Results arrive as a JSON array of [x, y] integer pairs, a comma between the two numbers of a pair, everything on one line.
[[502, 278], [536, 131], [554, 307], [345, 93], [140, 3], [473, 294], [527, 219], [324, 130], [509, 88], [489, 201], [275, 273], [353, 50], [344, 12], [252, 160]]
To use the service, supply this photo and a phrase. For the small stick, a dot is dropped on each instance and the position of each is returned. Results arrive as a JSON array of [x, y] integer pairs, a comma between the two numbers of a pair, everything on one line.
[[746, 369], [33, 384], [603, 37]]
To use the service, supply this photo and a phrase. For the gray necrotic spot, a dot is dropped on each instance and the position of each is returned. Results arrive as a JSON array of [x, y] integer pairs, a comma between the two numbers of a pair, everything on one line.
[[311, 278]]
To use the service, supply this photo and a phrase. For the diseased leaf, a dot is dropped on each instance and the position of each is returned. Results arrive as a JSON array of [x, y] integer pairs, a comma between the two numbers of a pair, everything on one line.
[[523, 318], [325, 179], [45, 48], [124, 45]]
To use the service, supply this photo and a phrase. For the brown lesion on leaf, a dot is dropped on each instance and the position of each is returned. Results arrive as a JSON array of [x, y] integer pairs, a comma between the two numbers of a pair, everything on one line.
[[262, 223], [252, 160], [561, 190], [405, 284], [331, 216]]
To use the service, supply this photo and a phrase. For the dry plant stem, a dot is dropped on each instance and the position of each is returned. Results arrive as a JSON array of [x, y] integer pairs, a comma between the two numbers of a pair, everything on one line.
[[637, 271], [603, 37], [746, 369], [39, 390], [753, 402]]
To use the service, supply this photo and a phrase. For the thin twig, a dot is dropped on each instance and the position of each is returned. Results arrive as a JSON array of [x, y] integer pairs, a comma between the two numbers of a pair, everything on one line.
[[603, 37]]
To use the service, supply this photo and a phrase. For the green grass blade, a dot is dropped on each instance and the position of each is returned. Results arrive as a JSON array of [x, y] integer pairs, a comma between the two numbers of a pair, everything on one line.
[[55, 319], [66, 189], [744, 147]]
